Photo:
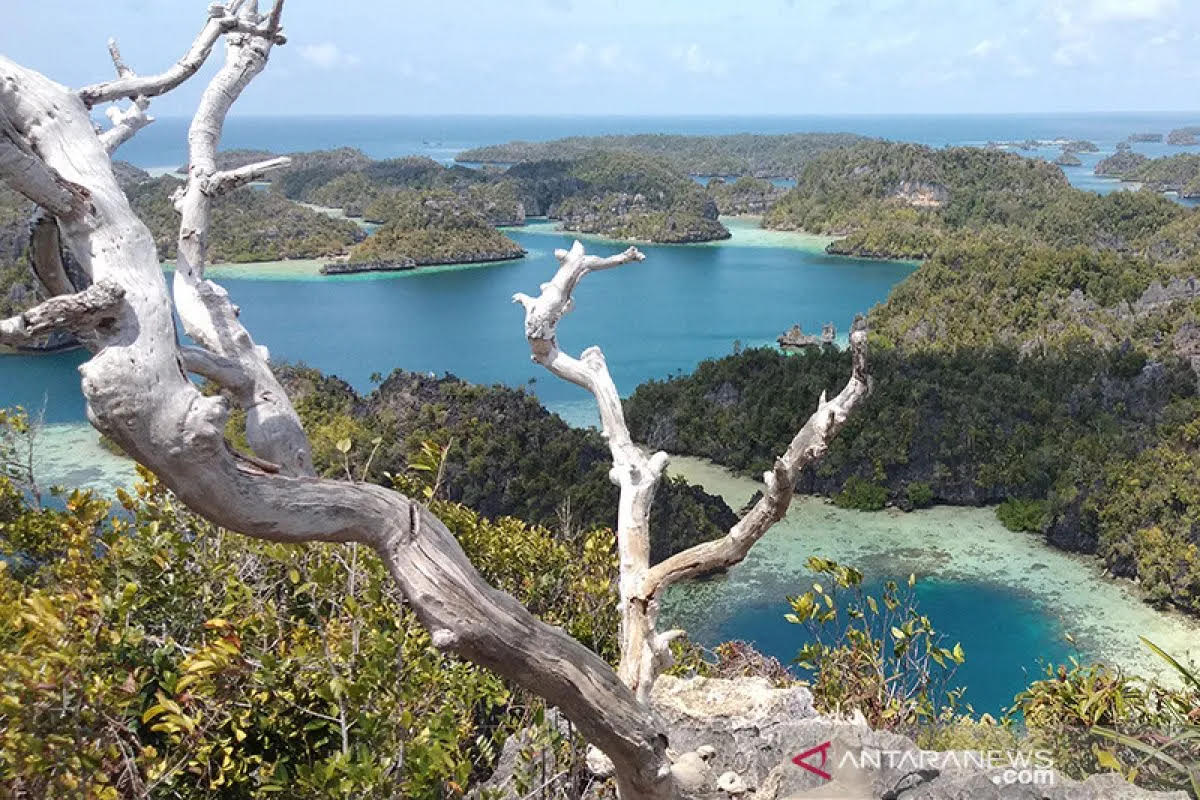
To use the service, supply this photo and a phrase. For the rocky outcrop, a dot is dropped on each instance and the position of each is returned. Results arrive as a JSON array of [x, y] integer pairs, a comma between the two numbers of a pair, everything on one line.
[[402, 263], [1157, 295], [1067, 158], [748, 739], [624, 215], [921, 194], [350, 267]]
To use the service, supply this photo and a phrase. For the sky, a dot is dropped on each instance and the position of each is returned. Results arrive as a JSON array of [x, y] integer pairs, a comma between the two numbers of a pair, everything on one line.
[[667, 57]]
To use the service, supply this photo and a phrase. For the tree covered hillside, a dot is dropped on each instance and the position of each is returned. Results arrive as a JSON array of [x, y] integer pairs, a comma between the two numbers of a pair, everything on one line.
[[899, 200], [619, 194], [743, 154], [249, 225], [1045, 355], [505, 455]]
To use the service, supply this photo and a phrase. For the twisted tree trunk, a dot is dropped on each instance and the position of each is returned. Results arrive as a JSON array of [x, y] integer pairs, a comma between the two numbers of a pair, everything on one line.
[[138, 392]]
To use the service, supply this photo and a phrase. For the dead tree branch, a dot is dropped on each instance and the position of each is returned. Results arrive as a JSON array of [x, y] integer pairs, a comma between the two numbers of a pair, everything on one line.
[[644, 651]]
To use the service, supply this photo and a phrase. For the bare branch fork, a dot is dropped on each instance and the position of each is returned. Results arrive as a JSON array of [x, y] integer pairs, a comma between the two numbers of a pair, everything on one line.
[[138, 392], [645, 652]]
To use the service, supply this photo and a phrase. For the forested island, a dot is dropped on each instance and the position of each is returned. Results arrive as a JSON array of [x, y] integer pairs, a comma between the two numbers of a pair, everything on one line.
[[898, 200], [1178, 173], [424, 227], [1185, 136], [1067, 158], [745, 154], [622, 195], [1123, 161]]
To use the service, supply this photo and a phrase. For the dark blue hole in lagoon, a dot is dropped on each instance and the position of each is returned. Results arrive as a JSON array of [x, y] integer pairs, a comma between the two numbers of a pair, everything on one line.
[[1006, 637]]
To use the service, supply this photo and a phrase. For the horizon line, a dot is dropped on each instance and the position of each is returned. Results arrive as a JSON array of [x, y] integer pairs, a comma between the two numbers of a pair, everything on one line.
[[689, 115]]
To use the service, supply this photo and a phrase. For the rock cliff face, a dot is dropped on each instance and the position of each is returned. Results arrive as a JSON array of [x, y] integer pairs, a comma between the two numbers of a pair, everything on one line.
[[921, 194], [741, 738], [743, 196], [634, 216]]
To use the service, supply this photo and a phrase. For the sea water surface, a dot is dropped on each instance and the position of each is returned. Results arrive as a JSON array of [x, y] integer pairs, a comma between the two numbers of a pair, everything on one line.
[[656, 318]]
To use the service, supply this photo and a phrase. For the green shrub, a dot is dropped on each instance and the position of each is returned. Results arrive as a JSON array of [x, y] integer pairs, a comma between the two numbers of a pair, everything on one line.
[[875, 654], [862, 495], [919, 494], [1022, 515], [150, 653]]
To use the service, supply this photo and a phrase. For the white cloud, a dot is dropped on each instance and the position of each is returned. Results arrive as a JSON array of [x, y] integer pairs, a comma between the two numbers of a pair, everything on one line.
[[328, 55], [890, 44], [984, 48], [1166, 38], [1075, 52], [693, 59], [1020, 68], [1130, 10], [609, 58]]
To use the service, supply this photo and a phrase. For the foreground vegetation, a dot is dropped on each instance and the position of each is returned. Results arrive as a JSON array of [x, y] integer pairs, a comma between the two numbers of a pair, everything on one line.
[[146, 653]]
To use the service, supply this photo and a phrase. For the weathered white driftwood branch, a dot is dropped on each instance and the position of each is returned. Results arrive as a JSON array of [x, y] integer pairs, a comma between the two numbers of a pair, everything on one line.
[[80, 313], [30, 175], [137, 393], [636, 473], [273, 428], [644, 651], [125, 122], [224, 181], [809, 444], [220, 21]]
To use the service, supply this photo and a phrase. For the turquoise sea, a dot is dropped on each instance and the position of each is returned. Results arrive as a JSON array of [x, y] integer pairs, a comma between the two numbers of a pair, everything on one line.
[[654, 319]]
